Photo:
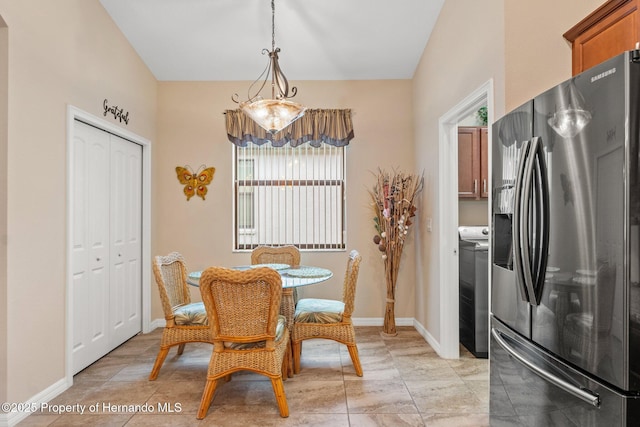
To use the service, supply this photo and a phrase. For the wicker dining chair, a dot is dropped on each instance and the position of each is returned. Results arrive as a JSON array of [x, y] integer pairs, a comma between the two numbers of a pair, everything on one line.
[[247, 330], [287, 254], [185, 321], [330, 319]]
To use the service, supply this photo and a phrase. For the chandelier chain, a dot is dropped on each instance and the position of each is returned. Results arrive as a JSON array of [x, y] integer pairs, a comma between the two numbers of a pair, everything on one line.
[[278, 107], [273, 25]]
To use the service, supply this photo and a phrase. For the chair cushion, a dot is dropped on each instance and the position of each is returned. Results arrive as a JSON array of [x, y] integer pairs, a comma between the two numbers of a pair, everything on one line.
[[191, 314], [314, 310], [280, 328]]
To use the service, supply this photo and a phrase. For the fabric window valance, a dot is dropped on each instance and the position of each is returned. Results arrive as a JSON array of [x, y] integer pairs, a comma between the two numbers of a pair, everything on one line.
[[317, 126]]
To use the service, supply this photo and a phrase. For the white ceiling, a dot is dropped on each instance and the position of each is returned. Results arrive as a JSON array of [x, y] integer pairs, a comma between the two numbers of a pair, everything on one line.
[[200, 40]]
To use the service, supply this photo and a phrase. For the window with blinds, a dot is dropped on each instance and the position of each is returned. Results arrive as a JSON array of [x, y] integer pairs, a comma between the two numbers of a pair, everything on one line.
[[289, 196]]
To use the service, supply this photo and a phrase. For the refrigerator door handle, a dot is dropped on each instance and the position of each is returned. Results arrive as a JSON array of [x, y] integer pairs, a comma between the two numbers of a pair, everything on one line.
[[582, 394], [542, 220], [524, 220], [517, 219]]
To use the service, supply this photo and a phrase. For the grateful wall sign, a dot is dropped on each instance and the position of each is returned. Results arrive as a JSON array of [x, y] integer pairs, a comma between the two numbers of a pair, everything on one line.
[[116, 112]]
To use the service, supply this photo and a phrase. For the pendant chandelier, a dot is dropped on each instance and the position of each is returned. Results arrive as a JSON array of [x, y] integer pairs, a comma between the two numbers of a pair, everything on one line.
[[278, 112]]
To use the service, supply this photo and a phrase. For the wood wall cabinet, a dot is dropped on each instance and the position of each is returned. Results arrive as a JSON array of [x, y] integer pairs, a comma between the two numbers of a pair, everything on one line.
[[608, 31], [484, 162], [473, 173]]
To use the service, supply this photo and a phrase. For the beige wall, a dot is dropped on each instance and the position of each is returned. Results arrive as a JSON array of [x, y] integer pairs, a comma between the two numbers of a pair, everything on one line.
[[67, 52], [473, 212], [465, 50], [191, 131], [517, 44], [537, 57]]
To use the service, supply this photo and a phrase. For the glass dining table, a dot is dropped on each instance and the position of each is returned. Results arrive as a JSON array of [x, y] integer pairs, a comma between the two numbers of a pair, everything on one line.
[[292, 277]]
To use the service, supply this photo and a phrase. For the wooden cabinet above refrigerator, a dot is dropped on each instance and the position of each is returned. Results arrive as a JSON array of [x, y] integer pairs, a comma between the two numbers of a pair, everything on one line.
[[608, 31]]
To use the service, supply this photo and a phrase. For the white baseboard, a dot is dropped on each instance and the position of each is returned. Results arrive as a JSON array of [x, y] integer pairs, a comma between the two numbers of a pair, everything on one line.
[[427, 336], [402, 321], [12, 418], [157, 323]]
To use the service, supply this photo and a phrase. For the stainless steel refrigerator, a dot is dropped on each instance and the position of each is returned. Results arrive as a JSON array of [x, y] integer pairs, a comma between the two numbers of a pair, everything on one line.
[[565, 292]]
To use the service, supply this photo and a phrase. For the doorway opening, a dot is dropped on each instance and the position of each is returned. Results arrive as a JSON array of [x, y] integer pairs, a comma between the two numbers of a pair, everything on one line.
[[449, 212]]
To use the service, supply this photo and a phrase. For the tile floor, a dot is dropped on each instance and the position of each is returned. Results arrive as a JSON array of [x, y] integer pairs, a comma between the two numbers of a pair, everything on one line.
[[405, 383]]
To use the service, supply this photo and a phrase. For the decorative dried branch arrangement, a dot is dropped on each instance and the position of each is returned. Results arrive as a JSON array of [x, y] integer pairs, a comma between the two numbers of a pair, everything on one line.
[[393, 202]]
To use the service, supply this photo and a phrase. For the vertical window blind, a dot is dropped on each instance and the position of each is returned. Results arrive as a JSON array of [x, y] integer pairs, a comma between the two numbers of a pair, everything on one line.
[[289, 195]]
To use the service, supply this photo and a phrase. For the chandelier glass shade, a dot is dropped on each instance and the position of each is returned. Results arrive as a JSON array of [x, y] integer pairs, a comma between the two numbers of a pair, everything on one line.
[[273, 115], [276, 113], [569, 122], [573, 116]]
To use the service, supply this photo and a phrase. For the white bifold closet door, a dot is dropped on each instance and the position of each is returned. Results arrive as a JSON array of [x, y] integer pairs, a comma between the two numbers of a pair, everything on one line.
[[106, 237]]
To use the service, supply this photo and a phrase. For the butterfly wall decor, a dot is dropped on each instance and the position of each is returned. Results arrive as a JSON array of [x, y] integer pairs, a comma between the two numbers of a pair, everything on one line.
[[195, 183]]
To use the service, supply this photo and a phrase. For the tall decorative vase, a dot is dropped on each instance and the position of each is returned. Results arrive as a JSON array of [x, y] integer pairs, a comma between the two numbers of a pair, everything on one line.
[[393, 200], [391, 275]]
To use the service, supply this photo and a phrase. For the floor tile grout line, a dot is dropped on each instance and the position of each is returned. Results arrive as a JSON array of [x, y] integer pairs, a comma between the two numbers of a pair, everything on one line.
[[140, 353]]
